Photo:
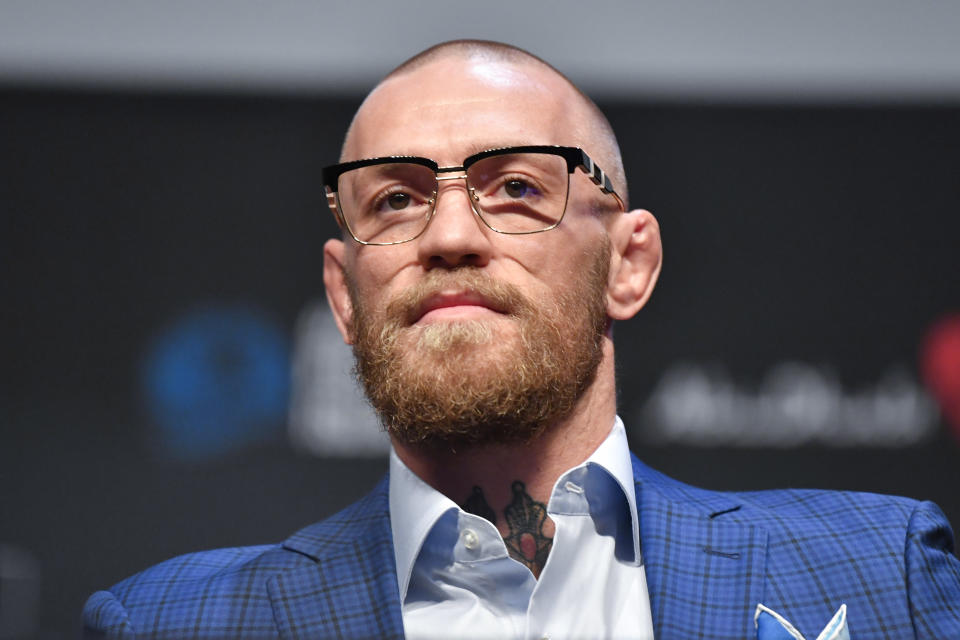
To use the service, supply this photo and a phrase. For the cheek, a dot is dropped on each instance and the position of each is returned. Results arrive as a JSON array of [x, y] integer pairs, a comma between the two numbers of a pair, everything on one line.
[[377, 276], [564, 261]]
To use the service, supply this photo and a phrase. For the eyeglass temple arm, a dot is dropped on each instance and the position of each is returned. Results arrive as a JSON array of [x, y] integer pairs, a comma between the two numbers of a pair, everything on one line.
[[332, 203], [597, 176]]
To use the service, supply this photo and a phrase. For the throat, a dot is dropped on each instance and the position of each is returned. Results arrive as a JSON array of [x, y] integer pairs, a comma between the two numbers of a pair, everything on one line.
[[523, 523]]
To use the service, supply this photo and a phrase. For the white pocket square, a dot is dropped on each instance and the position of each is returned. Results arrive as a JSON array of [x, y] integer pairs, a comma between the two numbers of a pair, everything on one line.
[[772, 626]]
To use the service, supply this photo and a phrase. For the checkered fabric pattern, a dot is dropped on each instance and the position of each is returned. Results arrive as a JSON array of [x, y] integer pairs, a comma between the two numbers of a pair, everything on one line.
[[710, 558], [334, 579]]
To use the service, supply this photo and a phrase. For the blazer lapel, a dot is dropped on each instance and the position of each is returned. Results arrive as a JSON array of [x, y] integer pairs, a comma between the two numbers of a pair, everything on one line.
[[351, 591], [704, 569]]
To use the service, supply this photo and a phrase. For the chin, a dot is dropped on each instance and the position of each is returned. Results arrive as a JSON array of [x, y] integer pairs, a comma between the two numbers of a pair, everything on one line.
[[443, 337]]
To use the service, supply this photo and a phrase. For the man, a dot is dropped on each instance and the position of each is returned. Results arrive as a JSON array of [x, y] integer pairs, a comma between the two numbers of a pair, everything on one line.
[[484, 258]]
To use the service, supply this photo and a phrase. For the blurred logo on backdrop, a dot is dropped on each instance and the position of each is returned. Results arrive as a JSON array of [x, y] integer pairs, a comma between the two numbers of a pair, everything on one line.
[[794, 404], [217, 380], [798, 403]]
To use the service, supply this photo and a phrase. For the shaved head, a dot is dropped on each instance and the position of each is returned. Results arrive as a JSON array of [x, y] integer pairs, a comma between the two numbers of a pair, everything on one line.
[[595, 133], [459, 331]]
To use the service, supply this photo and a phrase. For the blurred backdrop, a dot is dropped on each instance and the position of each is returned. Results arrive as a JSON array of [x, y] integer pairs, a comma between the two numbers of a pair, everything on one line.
[[171, 380]]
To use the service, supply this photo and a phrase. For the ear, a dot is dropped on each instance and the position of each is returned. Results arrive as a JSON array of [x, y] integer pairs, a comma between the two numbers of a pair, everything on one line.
[[335, 282], [635, 263]]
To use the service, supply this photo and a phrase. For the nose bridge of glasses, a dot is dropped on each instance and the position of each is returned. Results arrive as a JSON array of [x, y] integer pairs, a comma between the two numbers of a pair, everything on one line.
[[460, 171], [471, 193]]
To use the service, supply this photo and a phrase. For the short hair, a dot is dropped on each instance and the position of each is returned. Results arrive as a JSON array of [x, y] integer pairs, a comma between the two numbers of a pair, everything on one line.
[[607, 152]]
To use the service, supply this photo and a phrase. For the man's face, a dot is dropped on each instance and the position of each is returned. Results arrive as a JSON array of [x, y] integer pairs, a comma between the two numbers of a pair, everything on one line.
[[465, 335]]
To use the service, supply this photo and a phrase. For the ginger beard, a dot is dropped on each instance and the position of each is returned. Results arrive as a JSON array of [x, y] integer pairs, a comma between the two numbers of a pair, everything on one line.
[[471, 383]]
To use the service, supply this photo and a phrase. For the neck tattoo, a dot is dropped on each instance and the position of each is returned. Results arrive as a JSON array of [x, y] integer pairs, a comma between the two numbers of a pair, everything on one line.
[[526, 542]]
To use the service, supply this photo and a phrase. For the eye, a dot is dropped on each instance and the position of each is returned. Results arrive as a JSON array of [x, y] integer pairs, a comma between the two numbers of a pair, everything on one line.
[[398, 201], [516, 188]]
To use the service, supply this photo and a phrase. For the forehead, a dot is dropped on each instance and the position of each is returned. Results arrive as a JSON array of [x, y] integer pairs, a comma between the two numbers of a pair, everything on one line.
[[453, 107]]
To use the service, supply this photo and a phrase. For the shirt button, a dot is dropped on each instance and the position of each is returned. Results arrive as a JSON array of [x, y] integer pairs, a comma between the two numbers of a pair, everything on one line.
[[572, 487], [470, 540]]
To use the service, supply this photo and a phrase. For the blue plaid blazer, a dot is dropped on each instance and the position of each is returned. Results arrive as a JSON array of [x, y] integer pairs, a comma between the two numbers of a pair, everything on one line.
[[710, 558]]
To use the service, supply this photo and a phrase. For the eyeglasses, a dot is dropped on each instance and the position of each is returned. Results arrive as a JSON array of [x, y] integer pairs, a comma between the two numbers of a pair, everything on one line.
[[514, 190]]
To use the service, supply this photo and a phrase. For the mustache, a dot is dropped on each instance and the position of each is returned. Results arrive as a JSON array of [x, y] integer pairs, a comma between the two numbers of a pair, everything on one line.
[[404, 308]]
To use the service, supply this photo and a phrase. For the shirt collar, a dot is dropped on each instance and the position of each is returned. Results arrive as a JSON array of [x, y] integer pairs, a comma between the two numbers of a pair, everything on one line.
[[613, 456], [415, 506]]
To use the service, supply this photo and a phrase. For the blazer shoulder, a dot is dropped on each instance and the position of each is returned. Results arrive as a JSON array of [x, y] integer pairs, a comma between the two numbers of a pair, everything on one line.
[[787, 509], [810, 507], [198, 589], [189, 591], [198, 566]]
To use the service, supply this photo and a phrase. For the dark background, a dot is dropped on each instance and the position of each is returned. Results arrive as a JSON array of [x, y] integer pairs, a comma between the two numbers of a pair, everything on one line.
[[824, 234]]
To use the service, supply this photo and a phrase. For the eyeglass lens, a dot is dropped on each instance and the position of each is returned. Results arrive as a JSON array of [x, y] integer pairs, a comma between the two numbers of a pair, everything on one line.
[[512, 193]]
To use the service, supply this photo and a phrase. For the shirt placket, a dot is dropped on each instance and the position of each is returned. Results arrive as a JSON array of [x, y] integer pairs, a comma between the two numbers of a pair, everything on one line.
[[567, 508]]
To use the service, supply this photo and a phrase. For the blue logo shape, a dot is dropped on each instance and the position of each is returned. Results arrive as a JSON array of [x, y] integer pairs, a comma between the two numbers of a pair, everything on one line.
[[216, 380]]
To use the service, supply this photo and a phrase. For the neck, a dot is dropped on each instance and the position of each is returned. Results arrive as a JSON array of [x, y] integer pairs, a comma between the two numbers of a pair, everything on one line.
[[484, 480]]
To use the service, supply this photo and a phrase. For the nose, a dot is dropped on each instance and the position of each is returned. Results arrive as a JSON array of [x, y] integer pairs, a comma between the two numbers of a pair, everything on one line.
[[455, 236]]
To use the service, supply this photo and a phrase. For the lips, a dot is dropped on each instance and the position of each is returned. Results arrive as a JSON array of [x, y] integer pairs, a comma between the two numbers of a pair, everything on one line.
[[453, 304]]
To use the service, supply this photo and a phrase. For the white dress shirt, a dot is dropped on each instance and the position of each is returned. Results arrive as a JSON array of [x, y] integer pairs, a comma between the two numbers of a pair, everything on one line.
[[457, 580]]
